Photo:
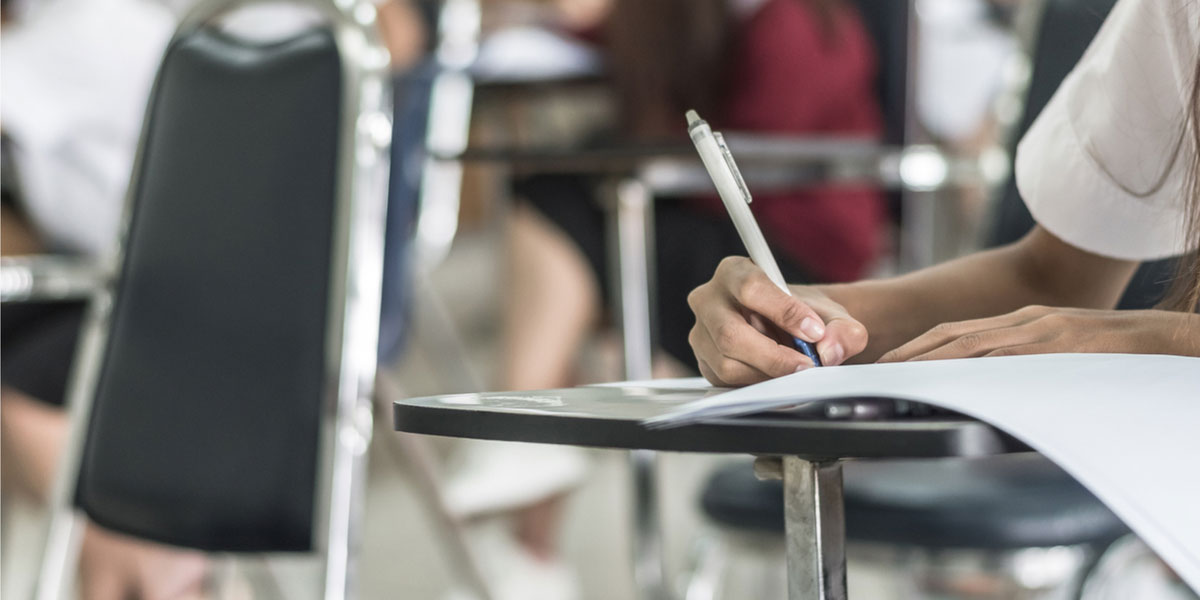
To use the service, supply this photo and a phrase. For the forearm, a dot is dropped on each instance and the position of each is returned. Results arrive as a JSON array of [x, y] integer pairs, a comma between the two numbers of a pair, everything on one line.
[[1039, 269]]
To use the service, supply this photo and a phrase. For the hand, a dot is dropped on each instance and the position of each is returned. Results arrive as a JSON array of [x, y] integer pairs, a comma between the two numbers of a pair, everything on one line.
[[744, 326], [113, 567], [1042, 330]]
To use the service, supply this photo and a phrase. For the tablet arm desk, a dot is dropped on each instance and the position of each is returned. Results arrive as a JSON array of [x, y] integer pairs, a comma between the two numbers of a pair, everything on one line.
[[812, 451]]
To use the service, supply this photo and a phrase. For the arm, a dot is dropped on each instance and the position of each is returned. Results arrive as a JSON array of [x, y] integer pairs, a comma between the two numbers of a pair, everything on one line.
[[960, 308], [1039, 269]]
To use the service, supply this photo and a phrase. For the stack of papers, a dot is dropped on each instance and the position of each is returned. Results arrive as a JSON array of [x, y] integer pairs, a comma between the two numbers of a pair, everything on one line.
[[1126, 426]]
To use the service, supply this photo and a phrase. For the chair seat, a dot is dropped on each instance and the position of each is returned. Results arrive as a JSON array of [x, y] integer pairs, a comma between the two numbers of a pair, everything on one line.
[[1000, 503]]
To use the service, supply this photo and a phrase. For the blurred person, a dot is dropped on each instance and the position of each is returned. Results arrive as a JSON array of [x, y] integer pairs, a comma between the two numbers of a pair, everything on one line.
[[801, 67], [77, 74], [964, 48]]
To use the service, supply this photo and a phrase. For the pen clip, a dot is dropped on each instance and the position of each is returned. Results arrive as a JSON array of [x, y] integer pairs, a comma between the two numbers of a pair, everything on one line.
[[737, 174]]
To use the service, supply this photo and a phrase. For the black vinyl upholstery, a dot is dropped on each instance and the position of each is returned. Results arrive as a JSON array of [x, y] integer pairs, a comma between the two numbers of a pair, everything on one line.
[[999, 503], [204, 430], [1067, 28]]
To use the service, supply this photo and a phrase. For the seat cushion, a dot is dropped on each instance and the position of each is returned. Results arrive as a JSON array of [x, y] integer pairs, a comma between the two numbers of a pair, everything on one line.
[[998, 503]]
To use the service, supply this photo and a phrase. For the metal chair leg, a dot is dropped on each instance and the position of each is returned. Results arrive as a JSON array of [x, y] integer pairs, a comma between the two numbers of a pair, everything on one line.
[[61, 556], [814, 518], [415, 452], [632, 246], [345, 491], [66, 525]]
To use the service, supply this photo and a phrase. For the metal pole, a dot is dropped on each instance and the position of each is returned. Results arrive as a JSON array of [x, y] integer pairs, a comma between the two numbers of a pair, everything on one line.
[[814, 518], [633, 248]]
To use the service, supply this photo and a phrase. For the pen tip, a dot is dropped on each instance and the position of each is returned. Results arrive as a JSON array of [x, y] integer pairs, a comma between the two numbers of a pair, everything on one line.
[[692, 117]]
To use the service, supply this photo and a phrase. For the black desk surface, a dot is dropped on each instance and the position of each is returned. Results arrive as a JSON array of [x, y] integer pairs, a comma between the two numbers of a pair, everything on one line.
[[610, 417]]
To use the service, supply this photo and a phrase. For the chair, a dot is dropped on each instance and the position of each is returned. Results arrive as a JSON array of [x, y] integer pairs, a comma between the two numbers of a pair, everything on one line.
[[1006, 526], [221, 394]]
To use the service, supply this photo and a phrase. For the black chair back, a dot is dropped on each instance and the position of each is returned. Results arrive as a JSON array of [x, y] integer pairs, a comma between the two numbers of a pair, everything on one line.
[[1067, 28], [204, 427]]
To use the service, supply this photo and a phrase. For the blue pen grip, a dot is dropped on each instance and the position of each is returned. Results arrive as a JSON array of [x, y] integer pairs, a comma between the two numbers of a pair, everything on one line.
[[808, 349]]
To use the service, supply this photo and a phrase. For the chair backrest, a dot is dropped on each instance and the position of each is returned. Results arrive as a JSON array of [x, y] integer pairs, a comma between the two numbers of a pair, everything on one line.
[[1067, 28], [230, 315]]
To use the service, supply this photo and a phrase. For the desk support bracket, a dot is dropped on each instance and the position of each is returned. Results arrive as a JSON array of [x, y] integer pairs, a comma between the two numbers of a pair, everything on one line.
[[814, 517]]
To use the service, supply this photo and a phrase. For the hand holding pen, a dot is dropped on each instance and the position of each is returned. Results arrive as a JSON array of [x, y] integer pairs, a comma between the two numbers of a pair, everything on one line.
[[744, 324], [807, 330]]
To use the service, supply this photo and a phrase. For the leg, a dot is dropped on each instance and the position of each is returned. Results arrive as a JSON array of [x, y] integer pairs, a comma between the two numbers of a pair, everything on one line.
[[814, 519], [552, 301], [110, 566], [31, 433]]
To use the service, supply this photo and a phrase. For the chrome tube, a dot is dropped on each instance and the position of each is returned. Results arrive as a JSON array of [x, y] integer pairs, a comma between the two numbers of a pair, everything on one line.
[[815, 522]]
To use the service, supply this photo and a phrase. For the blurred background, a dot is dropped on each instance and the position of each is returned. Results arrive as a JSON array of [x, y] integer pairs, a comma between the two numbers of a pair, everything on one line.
[[546, 219]]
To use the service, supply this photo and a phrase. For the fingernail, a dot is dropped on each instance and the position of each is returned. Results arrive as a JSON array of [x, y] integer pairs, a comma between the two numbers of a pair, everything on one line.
[[806, 363], [833, 354], [812, 328]]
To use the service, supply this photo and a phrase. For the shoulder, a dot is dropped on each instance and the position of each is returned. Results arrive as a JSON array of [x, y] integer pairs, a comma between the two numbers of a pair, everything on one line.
[[1111, 149]]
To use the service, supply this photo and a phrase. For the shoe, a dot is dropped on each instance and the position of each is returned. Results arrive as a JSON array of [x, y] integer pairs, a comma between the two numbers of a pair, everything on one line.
[[511, 571], [498, 477]]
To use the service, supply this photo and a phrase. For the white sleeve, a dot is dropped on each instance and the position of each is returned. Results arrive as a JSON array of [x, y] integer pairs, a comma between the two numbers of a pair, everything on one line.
[[76, 77], [1104, 167]]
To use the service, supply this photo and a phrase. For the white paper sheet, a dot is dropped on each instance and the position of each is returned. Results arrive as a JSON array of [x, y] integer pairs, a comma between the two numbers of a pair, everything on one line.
[[1126, 426]]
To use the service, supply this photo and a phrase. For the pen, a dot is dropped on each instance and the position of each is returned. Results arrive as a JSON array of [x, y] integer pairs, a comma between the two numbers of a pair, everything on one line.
[[736, 197]]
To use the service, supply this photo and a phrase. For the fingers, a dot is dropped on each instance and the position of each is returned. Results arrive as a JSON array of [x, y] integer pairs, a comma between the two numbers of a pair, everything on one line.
[[740, 355], [978, 337], [745, 326], [980, 343], [741, 342], [1021, 349], [745, 283], [844, 337]]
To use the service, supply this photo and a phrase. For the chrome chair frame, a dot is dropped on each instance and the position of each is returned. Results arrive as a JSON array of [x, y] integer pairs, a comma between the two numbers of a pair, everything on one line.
[[352, 322]]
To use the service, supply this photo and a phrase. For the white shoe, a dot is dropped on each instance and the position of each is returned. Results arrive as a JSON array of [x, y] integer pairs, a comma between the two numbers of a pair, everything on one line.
[[496, 477], [511, 572]]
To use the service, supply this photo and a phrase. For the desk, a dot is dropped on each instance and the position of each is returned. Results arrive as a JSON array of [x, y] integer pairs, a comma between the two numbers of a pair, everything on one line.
[[636, 173], [609, 417]]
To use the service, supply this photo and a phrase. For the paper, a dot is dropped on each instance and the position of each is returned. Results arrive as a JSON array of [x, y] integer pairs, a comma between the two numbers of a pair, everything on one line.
[[1126, 426]]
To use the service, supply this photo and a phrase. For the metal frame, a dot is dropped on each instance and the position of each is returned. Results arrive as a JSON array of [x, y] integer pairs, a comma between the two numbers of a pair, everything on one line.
[[352, 325], [449, 127], [49, 278]]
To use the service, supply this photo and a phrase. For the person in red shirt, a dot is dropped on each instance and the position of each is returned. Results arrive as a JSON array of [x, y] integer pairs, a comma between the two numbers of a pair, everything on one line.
[[802, 67]]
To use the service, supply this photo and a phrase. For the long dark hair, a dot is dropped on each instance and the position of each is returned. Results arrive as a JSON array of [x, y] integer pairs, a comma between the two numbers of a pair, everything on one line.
[[666, 56], [1184, 294]]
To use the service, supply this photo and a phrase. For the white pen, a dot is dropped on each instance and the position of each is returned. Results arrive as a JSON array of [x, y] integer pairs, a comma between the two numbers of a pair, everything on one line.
[[736, 197]]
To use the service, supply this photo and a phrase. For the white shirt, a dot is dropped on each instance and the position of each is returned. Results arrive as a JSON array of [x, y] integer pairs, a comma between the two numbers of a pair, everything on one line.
[[1105, 166], [960, 60], [76, 78]]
